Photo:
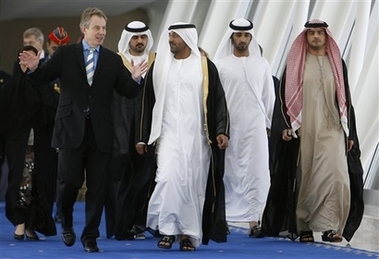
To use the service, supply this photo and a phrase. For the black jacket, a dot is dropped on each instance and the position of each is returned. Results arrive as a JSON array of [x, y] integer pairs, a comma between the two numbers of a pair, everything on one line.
[[76, 95]]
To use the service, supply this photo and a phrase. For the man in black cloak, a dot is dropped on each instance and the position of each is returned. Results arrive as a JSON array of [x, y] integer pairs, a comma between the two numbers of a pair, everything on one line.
[[280, 212]]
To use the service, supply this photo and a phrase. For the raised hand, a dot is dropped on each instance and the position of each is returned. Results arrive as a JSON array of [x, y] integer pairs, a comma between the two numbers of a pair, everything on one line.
[[138, 70], [29, 60]]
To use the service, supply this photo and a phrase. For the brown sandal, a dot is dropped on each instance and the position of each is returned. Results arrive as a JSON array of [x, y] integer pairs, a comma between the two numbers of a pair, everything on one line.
[[166, 242], [331, 236], [186, 245], [255, 231], [307, 237]]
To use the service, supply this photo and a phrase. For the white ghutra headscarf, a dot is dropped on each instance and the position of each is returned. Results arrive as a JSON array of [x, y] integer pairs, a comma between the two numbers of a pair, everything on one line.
[[130, 30], [162, 65], [226, 47]]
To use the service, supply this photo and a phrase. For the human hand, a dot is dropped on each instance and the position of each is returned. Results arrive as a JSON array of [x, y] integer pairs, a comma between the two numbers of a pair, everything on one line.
[[29, 60], [287, 134], [268, 131], [138, 70], [141, 148], [222, 141], [350, 144]]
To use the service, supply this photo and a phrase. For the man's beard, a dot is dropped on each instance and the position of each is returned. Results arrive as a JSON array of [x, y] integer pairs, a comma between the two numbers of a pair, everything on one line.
[[317, 46], [241, 47], [173, 48], [140, 48]]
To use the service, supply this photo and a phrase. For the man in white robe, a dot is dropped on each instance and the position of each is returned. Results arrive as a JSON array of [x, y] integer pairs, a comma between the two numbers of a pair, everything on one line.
[[187, 126], [248, 84]]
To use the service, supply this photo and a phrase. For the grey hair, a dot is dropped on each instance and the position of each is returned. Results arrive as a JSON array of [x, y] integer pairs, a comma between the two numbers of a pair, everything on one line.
[[88, 13], [34, 31]]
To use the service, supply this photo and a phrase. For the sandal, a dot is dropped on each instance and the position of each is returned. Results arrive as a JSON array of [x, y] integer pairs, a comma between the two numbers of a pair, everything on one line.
[[255, 231], [186, 245], [140, 236], [31, 235], [166, 242], [331, 236], [306, 237]]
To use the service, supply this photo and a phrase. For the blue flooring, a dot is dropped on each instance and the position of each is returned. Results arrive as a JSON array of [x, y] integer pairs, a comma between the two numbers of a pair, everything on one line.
[[239, 246]]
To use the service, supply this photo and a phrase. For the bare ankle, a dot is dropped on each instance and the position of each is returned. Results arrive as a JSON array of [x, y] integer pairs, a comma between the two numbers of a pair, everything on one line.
[[20, 229]]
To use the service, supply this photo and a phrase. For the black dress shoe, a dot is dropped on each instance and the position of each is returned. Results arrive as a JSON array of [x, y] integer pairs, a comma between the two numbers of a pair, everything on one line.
[[68, 236], [57, 218], [90, 247], [32, 237], [18, 237]]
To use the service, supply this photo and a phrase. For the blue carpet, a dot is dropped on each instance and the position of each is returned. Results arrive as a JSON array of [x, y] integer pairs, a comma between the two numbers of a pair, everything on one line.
[[239, 245]]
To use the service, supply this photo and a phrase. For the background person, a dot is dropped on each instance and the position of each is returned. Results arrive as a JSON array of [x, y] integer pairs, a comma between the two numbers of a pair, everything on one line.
[[135, 44], [316, 144], [27, 148], [246, 78]]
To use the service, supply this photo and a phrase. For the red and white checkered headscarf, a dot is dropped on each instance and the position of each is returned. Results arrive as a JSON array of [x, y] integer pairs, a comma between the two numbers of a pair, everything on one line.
[[295, 75]]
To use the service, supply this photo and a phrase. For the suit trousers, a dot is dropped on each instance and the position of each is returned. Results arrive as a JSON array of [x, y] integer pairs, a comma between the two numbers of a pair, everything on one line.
[[75, 165]]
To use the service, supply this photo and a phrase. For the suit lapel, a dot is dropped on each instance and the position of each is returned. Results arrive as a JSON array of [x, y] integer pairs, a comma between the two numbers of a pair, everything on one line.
[[79, 53], [100, 63]]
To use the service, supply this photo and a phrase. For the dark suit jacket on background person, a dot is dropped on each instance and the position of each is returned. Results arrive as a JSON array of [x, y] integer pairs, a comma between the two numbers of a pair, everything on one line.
[[4, 77], [78, 102]]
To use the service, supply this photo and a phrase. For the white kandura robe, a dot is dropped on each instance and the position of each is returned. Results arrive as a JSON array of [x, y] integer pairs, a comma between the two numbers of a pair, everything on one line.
[[250, 95], [183, 156], [324, 194]]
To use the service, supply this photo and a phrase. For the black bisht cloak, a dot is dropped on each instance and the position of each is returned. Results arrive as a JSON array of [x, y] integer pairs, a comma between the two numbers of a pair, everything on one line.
[[22, 108], [141, 187], [279, 215]]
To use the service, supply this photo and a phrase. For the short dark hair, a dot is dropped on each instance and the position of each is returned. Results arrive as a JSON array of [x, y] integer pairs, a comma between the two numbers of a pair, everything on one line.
[[27, 48]]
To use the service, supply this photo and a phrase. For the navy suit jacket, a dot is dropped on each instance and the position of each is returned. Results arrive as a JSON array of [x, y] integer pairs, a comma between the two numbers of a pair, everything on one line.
[[76, 95]]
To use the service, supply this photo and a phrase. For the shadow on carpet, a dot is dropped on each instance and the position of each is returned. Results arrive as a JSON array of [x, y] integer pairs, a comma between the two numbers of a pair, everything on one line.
[[239, 246]]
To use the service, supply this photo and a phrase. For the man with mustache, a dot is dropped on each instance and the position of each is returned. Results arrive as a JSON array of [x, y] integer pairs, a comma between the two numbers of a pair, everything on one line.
[[135, 44], [249, 90], [185, 129], [316, 158]]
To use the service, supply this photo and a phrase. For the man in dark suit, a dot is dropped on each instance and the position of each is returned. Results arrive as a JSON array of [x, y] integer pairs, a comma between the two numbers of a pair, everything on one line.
[[84, 130]]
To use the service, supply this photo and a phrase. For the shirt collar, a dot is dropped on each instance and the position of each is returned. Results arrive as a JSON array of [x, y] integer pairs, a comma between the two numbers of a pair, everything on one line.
[[87, 47]]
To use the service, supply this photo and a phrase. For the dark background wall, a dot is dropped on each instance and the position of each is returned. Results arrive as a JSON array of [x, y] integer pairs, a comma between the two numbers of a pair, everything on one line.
[[11, 32]]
